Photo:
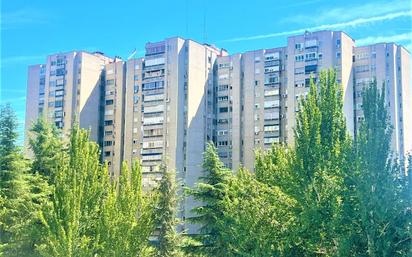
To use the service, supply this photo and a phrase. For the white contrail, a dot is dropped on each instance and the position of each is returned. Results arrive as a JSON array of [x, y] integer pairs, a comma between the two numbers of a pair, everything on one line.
[[380, 39], [352, 23]]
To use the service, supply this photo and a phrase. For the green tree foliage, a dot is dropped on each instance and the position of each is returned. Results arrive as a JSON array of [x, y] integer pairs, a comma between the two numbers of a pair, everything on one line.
[[257, 219], [89, 215], [128, 217], [322, 148], [169, 239], [210, 191], [80, 184], [46, 143], [21, 193], [382, 217]]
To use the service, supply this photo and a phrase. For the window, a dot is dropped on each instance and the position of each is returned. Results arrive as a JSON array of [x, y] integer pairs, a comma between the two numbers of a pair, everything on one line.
[[52, 83], [257, 59], [108, 133], [222, 121], [223, 65], [223, 143], [299, 58], [257, 71], [338, 42], [338, 55], [60, 72], [107, 143], [223, 87], [221, 132], [222, 98], [300, 83], [298, 46], [136, 88], [109, 82], [272, 92], [59, 92], [135, 99], [272, 56], [256, 82], [223, 109], [58, 104], [108, 122], [109, 92], [320, 55], [51, 93], [153, 85], [107, 153], [58, 114], [136, 77], [310, 56], [271, 128], [109, 102], [310, 69], [52, 72], [153, 62], [270, 140], [361, 68], [271, 79], [271, 104]]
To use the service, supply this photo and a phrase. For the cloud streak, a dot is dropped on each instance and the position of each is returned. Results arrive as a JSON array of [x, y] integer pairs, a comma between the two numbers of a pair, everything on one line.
[[14, 19], [339, 25], [22, 59], [379, 39]]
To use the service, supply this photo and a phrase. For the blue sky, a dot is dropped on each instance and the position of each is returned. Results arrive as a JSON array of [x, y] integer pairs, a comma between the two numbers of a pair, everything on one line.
[[30, 30]]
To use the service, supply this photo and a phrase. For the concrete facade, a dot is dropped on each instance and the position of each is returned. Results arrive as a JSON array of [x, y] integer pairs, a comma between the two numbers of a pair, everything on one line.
[[165, 106], [389, 65]]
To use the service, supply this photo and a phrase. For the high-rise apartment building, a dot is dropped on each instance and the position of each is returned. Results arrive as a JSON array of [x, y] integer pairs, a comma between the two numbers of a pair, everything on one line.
[[165, 106], [67, 89], [389, 65]]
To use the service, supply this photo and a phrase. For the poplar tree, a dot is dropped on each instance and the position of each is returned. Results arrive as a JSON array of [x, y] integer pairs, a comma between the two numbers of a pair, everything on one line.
[[128, 216], [80, 186], [382, 220]]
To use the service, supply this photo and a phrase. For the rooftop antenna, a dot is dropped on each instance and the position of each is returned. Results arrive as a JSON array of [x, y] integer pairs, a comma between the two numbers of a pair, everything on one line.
[[187, 17], [132, 54], [204, 22]]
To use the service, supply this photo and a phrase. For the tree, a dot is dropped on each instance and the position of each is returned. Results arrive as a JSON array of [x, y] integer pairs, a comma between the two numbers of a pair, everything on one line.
[[21, 194], [257, 218], [45, 143], [80, 185], [169, 239], [10, 156], [89, 215], [128, 217], [383, 218], [210, 192], [322, 148]]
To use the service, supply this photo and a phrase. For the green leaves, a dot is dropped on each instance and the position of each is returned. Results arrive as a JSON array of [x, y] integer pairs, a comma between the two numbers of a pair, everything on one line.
[[382, 217], [89, 215]]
